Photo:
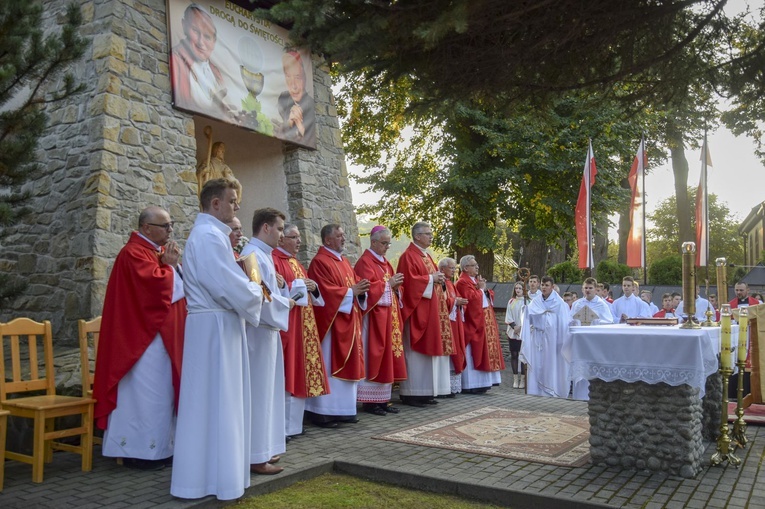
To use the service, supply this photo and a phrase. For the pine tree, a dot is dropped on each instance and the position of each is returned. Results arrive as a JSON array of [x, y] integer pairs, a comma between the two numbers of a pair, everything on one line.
[[30, 61]]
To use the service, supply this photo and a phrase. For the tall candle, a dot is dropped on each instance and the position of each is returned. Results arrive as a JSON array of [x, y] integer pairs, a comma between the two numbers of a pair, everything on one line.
[[743, 333], [725, 340]]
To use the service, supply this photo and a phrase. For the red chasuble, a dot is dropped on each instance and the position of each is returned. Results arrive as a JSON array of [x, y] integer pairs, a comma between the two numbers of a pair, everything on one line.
[[304, 373], [751, 300], [136, 308], [481, 331], [334, 278], [429, 330], [459, 360], [385, 348]]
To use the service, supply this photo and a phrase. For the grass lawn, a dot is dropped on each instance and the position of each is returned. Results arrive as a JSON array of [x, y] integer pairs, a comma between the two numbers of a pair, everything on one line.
[[330, 491]]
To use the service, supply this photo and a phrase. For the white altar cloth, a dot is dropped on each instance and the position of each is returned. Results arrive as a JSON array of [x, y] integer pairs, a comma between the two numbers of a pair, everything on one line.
[[650, 354]]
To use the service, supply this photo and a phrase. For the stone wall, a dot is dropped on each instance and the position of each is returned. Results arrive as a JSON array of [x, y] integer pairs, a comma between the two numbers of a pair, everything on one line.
[[119, 146]]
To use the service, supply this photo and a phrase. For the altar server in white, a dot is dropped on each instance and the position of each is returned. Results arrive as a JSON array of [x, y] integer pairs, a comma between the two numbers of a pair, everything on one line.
[[603, 310], [702, 305], [545, 330], [212, 439], [629, 305], [265, 347]]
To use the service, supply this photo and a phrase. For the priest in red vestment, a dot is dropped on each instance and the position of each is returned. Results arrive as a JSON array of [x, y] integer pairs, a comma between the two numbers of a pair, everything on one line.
[[483, 350], [138, 365], [456, 305], [427, 331], [339, 326], [382, 327], [742, 298], [305, 375]]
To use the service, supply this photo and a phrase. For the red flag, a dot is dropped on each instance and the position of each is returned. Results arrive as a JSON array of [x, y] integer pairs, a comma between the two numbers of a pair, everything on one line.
[[636, 237], [702, 210], [582, 215]]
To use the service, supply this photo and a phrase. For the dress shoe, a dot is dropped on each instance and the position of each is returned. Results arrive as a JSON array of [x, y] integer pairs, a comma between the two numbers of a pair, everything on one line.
[[376, 410], [407, 400], [287, 439], [430, 401], [451, 395], [391, 409], [274, 459], [325, 424], [351, 420], [266, 469], [140, 464]]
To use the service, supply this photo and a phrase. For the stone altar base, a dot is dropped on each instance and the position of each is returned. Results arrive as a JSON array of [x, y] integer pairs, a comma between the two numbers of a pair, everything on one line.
[[654, 427]]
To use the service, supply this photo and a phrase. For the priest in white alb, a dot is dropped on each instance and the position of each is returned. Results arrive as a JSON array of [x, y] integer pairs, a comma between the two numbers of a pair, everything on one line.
[[212, 438], [545, 330], [265, 347]]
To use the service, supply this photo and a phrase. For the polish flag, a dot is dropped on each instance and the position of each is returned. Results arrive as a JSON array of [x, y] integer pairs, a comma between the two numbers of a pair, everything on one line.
[[582, 215], [702, 210], [636, 237]]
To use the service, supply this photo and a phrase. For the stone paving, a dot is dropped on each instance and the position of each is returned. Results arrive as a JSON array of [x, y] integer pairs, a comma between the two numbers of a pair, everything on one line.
[[352, 450]]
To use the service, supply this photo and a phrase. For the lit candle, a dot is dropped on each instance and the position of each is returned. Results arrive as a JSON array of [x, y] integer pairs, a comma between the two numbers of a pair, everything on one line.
[[725, 340], [743, 332]]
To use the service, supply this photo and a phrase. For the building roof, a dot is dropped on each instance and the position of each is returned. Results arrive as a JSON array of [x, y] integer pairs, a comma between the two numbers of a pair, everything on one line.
[[757, 212]]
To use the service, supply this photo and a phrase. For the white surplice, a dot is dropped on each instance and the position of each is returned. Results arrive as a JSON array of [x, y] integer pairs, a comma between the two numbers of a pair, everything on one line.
[[267, 362], [143, 423], [212, 439], [473, 378], [632, 306], [702, 305], [601, 308], [545, 330]]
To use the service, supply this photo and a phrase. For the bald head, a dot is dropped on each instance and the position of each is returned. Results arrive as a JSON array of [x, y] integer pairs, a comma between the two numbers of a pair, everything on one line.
[[155, 224]]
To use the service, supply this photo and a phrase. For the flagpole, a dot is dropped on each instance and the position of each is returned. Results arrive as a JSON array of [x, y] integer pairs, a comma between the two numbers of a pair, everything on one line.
[[588, 185], [706, 204], [645, 254]]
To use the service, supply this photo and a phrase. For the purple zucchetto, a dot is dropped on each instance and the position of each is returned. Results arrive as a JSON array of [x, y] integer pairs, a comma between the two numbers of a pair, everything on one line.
[[377, 229]]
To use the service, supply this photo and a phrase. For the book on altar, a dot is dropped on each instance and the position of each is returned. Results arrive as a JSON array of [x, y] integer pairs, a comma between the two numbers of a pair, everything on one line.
[[586, 315]]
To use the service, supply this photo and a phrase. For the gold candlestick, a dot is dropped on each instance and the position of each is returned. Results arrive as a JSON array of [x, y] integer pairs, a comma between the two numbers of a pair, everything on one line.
[[722, 280], [689, 285], [709, 322], [724, 452], [739, 426]]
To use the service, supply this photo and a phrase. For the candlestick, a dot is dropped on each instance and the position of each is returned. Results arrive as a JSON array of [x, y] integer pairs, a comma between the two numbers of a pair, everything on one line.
[[689, 285], [725, 339], [743, 330]]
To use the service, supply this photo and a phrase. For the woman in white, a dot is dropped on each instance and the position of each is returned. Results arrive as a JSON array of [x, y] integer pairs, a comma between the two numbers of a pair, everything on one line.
[[513, 316]]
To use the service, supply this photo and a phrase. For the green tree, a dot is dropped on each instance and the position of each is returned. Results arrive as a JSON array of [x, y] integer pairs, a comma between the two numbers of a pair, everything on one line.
[[31, 61], [663, 240]]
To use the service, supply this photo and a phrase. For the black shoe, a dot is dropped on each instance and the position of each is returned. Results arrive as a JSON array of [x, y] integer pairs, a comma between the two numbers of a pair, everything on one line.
[[376, 410], [325, 424], [452, 395], [147, 465], [430, 401], [412, 401], [390, 409], [350, 420], [287, 439]]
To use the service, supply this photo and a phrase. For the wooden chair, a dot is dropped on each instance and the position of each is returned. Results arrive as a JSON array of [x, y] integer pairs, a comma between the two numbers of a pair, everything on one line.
[[89, 333], [42, 409], [3, 431], [756, 355]]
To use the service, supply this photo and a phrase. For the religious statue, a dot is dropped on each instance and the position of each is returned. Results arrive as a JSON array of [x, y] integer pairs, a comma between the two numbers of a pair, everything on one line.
[[215, 166]]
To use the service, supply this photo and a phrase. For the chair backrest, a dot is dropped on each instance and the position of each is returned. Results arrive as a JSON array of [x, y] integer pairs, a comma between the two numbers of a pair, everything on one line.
[[88, 330], [22, 336]]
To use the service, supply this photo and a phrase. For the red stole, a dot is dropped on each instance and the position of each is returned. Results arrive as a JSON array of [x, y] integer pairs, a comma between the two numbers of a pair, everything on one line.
[[385, 348], [459, 361], [304, 372], [430, 332], [136, 307], [334, 278]]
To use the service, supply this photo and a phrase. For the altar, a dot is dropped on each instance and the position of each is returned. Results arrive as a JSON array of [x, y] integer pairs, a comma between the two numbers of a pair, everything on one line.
[[647, 403]]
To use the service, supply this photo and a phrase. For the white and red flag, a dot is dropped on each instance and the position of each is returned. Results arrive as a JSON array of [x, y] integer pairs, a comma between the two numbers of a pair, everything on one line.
[[702, 209], [636, 236], [582, 216]]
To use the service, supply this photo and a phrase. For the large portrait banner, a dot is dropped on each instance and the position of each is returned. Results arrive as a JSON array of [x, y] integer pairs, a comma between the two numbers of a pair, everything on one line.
[[230, 65]]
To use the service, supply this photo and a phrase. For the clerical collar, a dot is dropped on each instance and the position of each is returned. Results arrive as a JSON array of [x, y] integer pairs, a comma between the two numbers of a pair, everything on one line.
[[285, 251], [261, 245], [380, 258], [156, 246], [745, 300], [337, 254], [423, 249]]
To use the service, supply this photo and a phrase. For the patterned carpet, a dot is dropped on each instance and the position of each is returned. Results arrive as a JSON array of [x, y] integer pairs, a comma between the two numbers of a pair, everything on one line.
[[754, 414], [555, 439]]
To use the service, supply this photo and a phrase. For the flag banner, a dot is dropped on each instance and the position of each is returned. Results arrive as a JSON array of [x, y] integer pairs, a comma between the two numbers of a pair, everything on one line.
[[636, 236], [702, 210], [582, 215]]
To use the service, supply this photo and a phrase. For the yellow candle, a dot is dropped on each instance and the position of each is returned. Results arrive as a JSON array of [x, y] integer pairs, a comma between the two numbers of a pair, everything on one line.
[[743, 332], [725, 340]]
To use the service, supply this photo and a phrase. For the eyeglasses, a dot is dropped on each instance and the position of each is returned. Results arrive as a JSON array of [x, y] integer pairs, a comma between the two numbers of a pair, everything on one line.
[[166, 226], [428, 234], [383, 243], [292, 237], [236, 230], [471, 265]]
